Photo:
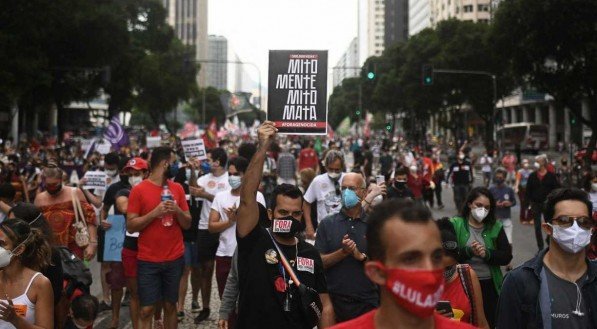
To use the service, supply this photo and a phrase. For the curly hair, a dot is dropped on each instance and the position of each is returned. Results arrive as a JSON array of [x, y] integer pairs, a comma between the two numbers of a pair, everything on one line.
[[37, 254]]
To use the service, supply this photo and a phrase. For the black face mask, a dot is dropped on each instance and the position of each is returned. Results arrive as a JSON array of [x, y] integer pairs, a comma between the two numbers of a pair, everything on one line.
[[54, 190], [287, 227]]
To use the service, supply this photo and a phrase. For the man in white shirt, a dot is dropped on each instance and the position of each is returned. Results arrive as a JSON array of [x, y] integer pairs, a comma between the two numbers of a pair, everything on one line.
[[486, 161], [325, 189], [209, 185], [222, 219]]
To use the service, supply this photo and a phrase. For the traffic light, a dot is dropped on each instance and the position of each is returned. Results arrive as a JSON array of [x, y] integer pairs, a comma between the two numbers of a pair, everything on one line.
[[388, 126], [572, 119], [427, 76], [358, 113], [371, 71]]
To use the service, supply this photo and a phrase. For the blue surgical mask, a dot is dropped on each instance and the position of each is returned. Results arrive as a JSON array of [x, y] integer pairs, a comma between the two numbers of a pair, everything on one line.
[[234, 182], [205, 167], [349, 199]]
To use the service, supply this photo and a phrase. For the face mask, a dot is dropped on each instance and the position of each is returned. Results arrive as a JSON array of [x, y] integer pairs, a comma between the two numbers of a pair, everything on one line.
[[499, 181], [537, 165], [461, 157], [334, 176], [6, 255], [135, 180], [413, 169], [287, 227], [594, 187], [525, 165], [449, 272], [234, 182], [187, 174], [101, 163], [349, 199], [572, 239], [54, 189], [417, 291], [479, 214], [205, 167], [111, 173]]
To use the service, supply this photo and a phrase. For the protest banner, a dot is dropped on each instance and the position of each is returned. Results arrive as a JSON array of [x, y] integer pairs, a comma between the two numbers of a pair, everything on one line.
[[95, 180], [114, 238], [103, 146], [194, 148], [153, 142], [297, 91]]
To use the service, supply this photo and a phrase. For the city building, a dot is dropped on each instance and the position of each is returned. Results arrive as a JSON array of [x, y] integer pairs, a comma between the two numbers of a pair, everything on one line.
[[375, 27], [419, 16], [189, 20], [395, 22], [470, 10], [217, 73], [348, 65]]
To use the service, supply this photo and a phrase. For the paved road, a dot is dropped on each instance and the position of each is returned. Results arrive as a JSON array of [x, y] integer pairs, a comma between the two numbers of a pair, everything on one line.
[[524, 249]]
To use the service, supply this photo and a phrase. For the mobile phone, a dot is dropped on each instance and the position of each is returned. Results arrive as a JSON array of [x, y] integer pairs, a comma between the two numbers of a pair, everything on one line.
[[380, 179], [444, 306]]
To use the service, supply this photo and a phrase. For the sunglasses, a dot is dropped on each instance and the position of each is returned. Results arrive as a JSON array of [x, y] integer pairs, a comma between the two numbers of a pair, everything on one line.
[[564, 221]]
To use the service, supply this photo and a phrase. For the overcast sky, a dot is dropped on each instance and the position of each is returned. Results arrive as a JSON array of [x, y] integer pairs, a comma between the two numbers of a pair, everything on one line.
[[253, 27]]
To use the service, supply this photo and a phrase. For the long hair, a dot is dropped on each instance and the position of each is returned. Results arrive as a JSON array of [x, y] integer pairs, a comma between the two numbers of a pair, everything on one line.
[[472, 196], [34, 216], [38, 253]]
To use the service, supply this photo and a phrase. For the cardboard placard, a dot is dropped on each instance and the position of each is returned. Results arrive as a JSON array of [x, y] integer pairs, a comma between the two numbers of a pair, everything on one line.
[[114, 238], [95, 180], [194, 148], [297, 91]]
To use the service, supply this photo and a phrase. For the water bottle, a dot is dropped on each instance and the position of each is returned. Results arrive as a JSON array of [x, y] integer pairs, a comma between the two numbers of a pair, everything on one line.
[[167, 219]]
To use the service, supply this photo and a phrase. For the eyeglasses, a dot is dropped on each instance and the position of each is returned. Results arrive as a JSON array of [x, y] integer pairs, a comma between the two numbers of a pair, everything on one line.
[[295, 214], [564, 221]]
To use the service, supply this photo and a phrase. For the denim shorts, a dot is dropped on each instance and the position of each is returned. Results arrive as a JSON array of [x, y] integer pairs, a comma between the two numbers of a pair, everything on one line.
[[191, 256], [159, 281]]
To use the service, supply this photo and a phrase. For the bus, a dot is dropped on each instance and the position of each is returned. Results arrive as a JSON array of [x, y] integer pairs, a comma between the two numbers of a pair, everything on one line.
[[530, 137]]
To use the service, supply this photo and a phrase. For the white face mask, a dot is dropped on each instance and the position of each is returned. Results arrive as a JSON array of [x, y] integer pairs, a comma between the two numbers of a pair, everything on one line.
[[334, 175], [135, 180], [479, 214], [413, 169], [594, 187], [5, 257], [537, 165], [111, 173], [572, 239]]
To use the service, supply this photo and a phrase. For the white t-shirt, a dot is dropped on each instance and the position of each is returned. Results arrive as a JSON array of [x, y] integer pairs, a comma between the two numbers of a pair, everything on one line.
[[486, 162], [593, 198], [323, 191], [222, 201], [212, 185]]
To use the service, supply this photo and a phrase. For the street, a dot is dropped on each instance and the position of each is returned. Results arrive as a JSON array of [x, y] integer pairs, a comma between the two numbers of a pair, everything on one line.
[[524, 248]]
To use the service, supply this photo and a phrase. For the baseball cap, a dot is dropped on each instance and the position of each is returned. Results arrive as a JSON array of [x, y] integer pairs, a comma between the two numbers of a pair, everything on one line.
[[136, 164]]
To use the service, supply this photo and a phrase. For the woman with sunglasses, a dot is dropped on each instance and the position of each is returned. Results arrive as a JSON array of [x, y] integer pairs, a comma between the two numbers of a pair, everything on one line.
[[26, 297], [483, 244]]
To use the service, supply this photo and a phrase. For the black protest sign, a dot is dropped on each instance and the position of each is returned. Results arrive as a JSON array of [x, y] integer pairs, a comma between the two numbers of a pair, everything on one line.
[[297, 91]]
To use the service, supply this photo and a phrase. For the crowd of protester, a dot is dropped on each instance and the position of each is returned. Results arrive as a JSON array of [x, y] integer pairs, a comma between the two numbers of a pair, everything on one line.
[[296, 234]]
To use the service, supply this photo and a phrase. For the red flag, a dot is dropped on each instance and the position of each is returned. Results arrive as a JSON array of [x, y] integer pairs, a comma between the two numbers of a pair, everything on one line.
[[210, 137]]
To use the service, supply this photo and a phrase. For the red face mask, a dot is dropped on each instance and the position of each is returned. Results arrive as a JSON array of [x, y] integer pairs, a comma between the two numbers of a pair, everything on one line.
[[417, 291]]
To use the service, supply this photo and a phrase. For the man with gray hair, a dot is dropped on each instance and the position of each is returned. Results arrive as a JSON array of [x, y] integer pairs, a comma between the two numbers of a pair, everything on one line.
[[541, 182], [325, 189]]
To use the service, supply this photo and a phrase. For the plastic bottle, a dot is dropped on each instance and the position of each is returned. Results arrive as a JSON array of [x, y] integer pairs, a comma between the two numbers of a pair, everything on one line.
[[167, 219]]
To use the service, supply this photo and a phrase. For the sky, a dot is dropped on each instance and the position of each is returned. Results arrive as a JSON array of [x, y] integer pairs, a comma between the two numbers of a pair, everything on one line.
[[253, 27]]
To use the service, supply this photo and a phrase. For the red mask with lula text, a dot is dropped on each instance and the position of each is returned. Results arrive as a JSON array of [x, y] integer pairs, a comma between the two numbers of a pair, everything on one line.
[[417, 291]]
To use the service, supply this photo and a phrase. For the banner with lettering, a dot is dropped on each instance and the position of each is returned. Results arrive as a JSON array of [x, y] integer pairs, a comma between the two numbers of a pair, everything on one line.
[[297, 91], [114, 238]]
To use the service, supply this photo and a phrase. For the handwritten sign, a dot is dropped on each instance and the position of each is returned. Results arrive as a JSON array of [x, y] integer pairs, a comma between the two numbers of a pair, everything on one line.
[[194, 148], [153, 142], [114, 238], [95, 180]]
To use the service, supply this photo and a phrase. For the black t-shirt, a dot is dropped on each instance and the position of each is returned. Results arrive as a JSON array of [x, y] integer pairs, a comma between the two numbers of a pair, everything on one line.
[[190, 235], [262, 285], [565, 296], [130, 242], [55, 274]]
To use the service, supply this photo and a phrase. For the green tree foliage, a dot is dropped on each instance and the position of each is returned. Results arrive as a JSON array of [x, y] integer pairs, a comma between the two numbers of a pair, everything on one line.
[[344, 102], [552, 46]]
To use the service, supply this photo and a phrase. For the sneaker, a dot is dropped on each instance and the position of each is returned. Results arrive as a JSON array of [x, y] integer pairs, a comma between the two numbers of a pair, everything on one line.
[[103, 306], [203, 315], [180, 316], [195, 307]]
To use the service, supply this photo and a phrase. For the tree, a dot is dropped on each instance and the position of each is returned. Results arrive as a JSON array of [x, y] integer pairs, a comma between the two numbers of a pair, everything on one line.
[[552, 46], [344, 102]]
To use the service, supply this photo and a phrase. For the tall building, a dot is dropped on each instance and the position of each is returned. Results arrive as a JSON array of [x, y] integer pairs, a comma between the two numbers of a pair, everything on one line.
[[395, 22], [375, 27], [189, 20], [217, 73], [419, 15], [348, 66], [470, 10]]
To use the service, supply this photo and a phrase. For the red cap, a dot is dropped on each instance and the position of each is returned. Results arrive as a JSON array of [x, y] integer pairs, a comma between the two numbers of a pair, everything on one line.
[[136, 164]]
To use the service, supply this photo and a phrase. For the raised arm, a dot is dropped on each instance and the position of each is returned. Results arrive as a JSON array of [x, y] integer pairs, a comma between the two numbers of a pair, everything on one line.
[[248, 211]]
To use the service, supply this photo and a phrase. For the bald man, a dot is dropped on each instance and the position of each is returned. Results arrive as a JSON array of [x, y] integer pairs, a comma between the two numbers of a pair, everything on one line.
[[343, 248]]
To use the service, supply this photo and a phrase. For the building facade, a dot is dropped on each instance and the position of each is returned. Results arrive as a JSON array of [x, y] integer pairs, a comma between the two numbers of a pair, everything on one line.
[[419, 16], [395, 22], [348, 65], [375, 27], [217, 73], [464, 10]]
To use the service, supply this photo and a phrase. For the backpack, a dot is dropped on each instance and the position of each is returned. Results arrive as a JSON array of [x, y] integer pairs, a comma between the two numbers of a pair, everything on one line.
[[76, 274]]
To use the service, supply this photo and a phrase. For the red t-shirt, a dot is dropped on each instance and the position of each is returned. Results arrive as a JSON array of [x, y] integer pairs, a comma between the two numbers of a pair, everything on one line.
[[367, 321], [157, 243], [454, 292], [308, 159]]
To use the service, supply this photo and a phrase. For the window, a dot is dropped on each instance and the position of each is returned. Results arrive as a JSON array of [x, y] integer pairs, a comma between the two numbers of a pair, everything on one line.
[[482, 7], [467, 8]]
